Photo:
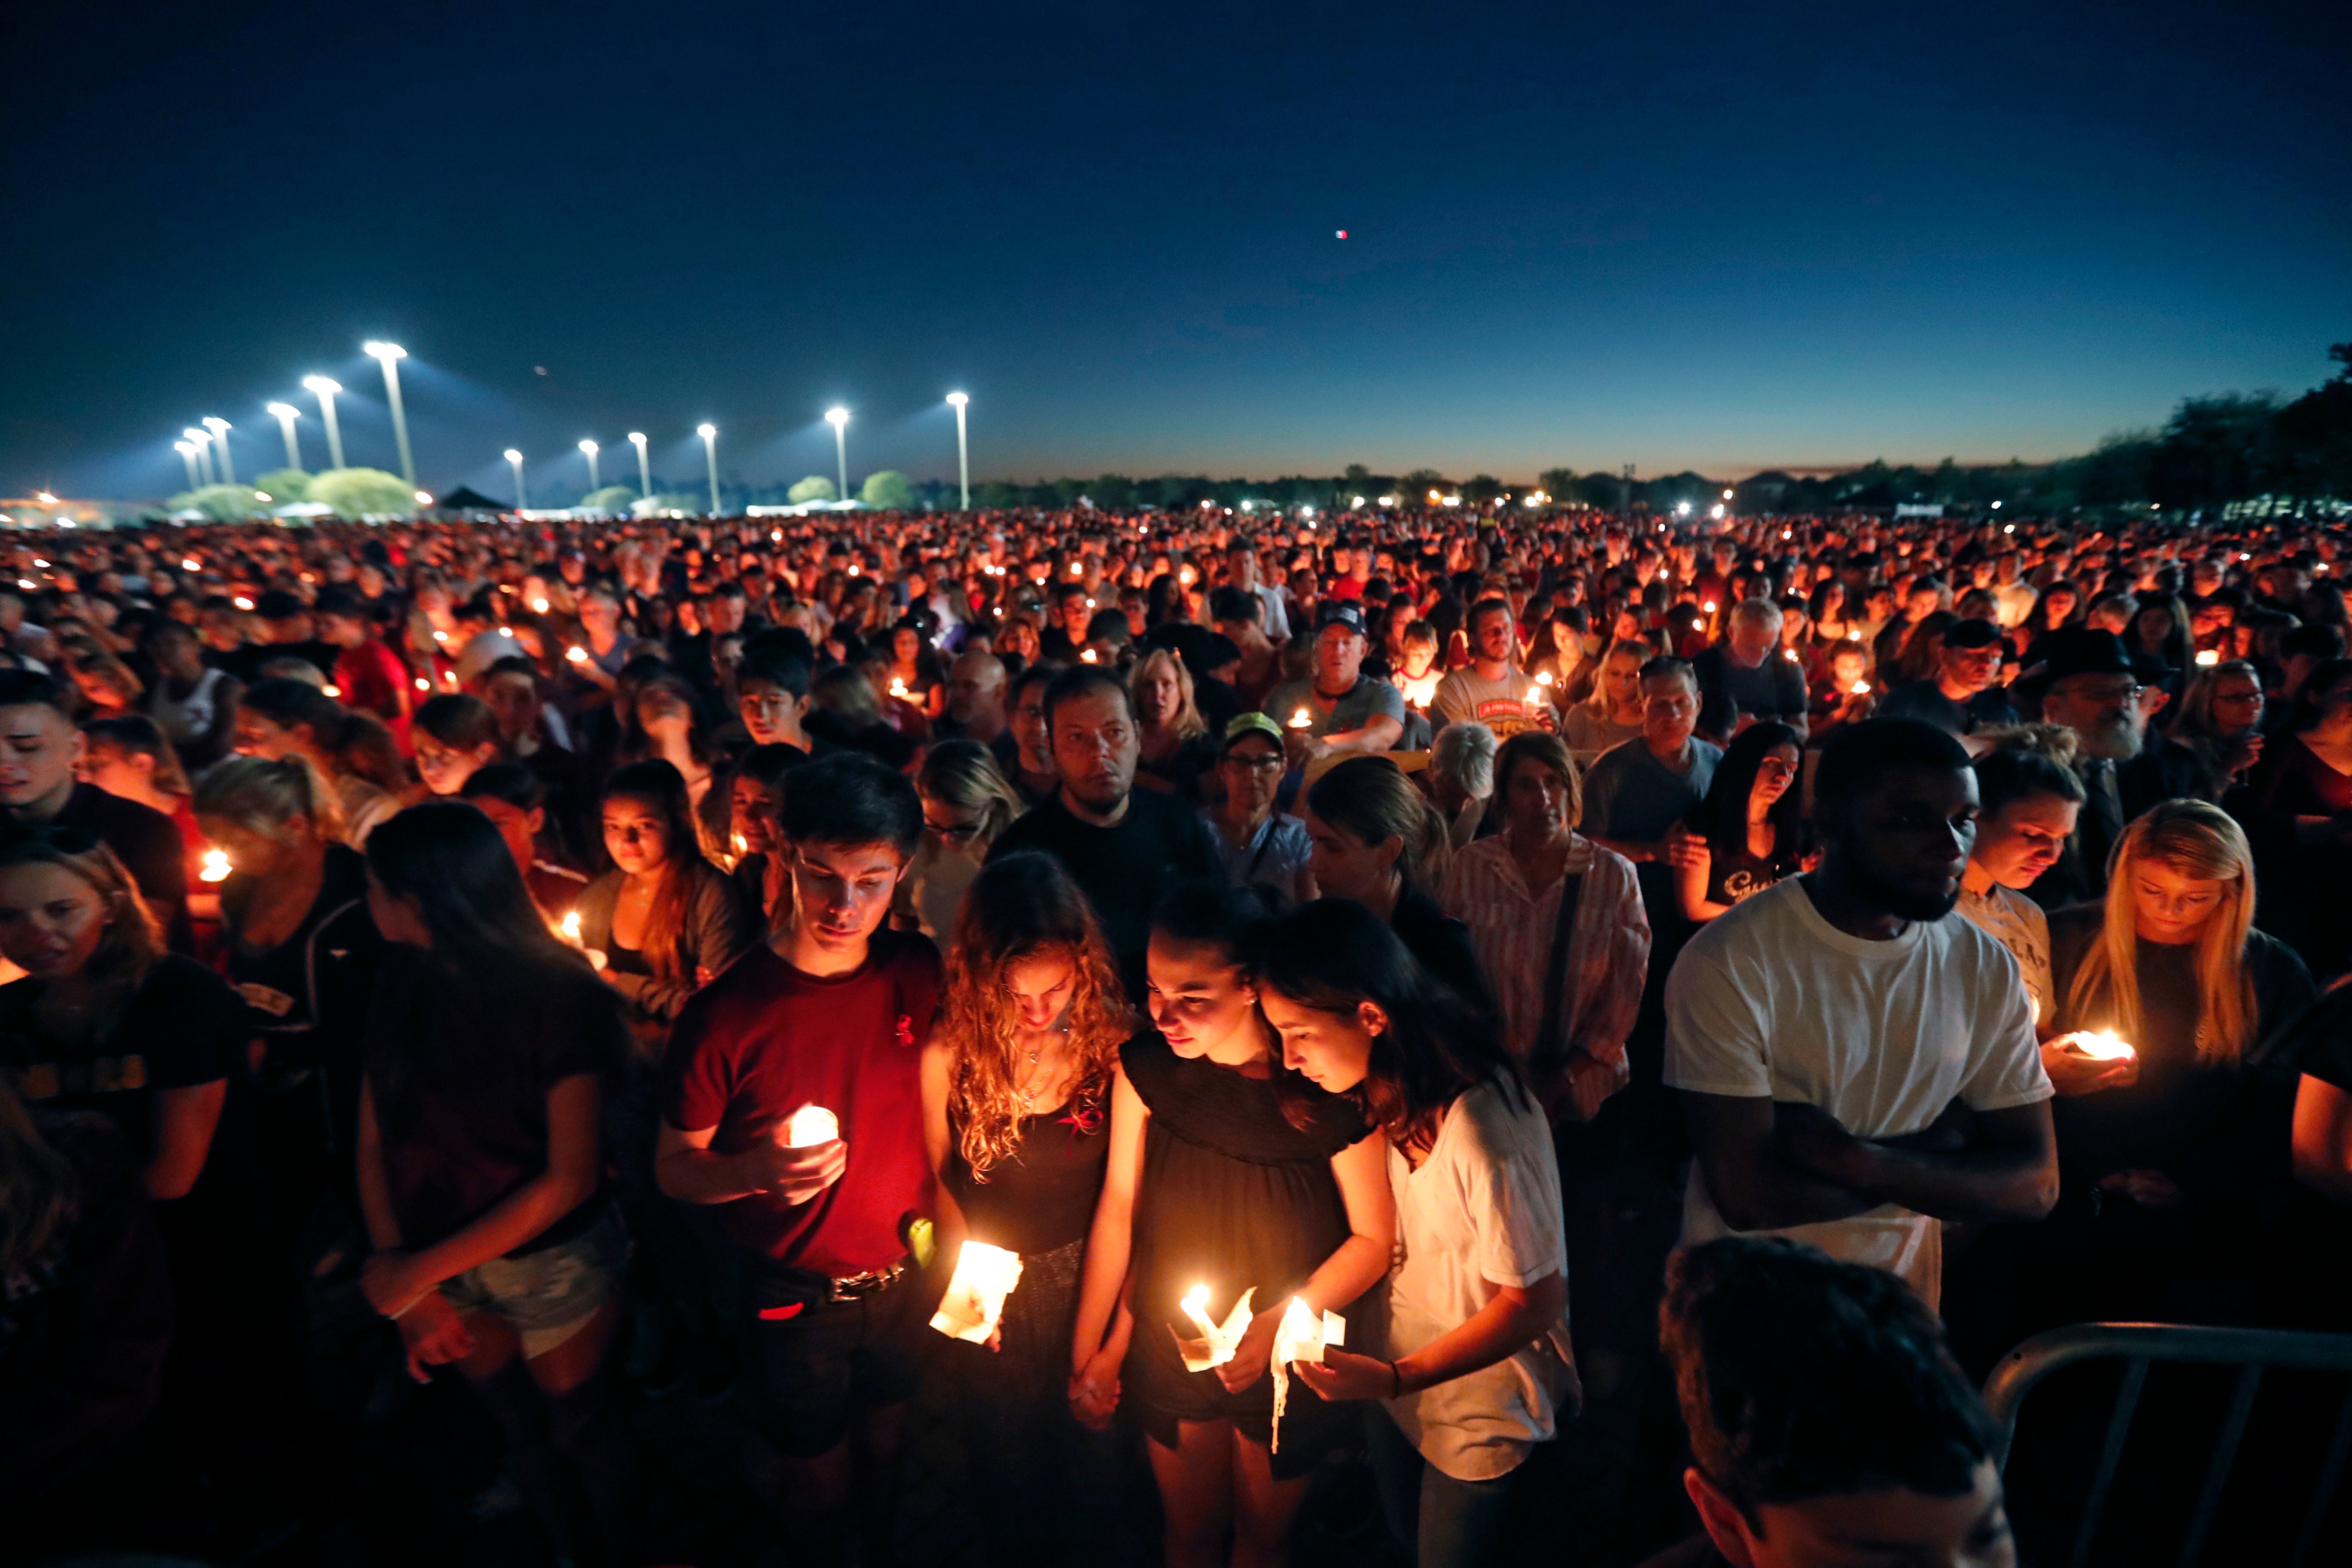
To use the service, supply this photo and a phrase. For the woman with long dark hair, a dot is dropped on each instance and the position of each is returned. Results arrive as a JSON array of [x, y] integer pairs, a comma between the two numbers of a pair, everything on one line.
[[1477, 1364], [1018, 1106], [1748, 831], [454, 734], [489, 1047], [1379, 840], [1217, 1194], [664, 920]]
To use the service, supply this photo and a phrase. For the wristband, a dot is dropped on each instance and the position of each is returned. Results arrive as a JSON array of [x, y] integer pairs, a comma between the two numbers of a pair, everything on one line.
[[1396, 1381]]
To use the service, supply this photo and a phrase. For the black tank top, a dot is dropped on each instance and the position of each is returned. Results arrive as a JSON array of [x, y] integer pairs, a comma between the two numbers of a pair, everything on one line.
[[1043, 1197]]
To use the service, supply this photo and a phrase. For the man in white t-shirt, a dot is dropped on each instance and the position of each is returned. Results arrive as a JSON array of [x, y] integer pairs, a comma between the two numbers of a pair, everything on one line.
[[1855, 1062]]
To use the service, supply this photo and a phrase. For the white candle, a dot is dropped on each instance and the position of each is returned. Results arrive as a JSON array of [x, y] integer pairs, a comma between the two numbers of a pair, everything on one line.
[[216, 865], [1300, 720], [1300, 1336], [2100, 1046], [975, 1304], [1215, 1346], [571, 928], [809, 1126]]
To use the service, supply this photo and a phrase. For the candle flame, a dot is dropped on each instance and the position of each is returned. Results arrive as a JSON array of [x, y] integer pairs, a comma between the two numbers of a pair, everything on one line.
[[331, 689], [897, 687], [1088, 656], [1217, 1341], [577, 654], [809, 1126], [1299, 721], [1543, 678], [571, 928], [2102, 1046], [975, 1304], [1861, 688], [2207, 658], [216, 865], [538, 607]]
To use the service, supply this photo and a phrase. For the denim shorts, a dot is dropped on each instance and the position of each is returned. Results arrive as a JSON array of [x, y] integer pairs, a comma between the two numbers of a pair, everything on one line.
[[548, 1296]]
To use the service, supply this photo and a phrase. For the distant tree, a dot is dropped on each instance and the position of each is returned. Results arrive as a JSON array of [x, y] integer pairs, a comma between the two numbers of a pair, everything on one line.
[[2215, 449], [816, 486], [2314, 437], [888, 491], [1480, 489], [1414, 486], [1560, 484], [222, 503], [363, 493], [1114, 492], [613, 501], [283, 486], [995, 495]]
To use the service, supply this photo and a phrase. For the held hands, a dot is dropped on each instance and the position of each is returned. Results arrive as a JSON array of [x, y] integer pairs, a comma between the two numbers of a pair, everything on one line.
[[390, 1281], [2149, 1189], [1253, 1355], [1094, 1391], [2072, 1072], [797, 1175], [432, 1334], [1347, 1375]]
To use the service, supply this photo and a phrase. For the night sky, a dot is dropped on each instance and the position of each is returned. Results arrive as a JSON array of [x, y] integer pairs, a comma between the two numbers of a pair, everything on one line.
[[1700, 235]]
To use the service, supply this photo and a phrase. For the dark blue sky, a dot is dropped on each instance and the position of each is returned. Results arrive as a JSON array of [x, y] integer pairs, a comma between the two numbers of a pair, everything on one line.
[[1678, 235]]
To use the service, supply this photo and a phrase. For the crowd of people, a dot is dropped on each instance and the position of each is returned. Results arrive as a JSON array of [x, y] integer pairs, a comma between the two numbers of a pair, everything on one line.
[[1762, 969]]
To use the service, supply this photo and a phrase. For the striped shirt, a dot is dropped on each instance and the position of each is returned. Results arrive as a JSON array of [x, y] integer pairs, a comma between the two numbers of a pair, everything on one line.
[[1511, 931]]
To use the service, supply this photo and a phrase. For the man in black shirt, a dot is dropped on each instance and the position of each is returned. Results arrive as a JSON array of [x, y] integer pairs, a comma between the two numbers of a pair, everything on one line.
[[39, 748], [1748, 678], [1959, 699], [1122, 845]]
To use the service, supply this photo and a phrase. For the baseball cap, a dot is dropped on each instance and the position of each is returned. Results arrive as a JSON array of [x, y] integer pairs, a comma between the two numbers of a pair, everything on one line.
[[1339, 613], [1972, 634], [1243, 725]]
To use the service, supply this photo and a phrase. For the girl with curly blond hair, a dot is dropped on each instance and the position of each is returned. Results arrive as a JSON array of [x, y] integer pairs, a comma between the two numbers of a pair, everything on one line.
[[1017, 1096]]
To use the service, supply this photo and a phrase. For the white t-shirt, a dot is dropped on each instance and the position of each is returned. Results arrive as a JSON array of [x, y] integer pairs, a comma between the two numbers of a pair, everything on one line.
[[1482, 1211], [1772, 1000]]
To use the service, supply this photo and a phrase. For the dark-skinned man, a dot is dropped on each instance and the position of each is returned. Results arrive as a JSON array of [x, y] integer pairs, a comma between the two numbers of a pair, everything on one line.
[[1855, 1063]]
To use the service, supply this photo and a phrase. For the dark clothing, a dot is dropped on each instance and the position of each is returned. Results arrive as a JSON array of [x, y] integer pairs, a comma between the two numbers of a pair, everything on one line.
[[1736, 873], [2303, 884], [148, 844], [2080, 874], [1123, 870], [83, 1327], [816, 1363], [1441, 944], [1773, 689], [2217, 1130], [765, 1039], [308, 996], [1041, 1197], [1925, 700], [1234, 1197], [719, 926], [460, 1066], [183, 1026], [2164, 770]]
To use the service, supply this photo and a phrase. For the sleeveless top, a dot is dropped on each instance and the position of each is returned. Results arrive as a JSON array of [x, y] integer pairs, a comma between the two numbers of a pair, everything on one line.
[[1041, 1197]]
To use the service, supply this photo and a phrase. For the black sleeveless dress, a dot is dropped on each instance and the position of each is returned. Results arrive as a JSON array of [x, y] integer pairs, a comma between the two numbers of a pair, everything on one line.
[[1233, 1196]]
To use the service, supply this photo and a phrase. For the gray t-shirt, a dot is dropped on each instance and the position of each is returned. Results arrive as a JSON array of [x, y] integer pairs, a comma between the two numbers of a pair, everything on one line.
[[1366, 701], [1630, 794]]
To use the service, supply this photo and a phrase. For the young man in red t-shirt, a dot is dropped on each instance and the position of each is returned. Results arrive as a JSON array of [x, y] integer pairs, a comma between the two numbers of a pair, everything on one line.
[[369, 676], [831, 1014]]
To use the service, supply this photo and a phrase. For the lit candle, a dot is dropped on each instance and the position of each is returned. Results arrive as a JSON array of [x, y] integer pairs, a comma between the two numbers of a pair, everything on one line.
[[975, 1304], [1543, 678], [1300, 1336], [538, 607], [423, 684], [241, 602], [571, 928], [809, 1126], [333, 690], [577, 654], [1301, 721], [2207, 658], [1709, 606], [897, 687], [2100, 1046], [1215, 1346], [191, 566], [1087, 654], [216, 865], [1861, 688]]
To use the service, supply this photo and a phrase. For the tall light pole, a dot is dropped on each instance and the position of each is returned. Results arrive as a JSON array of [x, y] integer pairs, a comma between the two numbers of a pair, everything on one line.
[[957, 400], [390, 355], [287, 414], [644, 465], [203, 442], [515, 458], [220, 429], [588, 449], [187, 450], [839, 419], [326, 389], [709, 434]]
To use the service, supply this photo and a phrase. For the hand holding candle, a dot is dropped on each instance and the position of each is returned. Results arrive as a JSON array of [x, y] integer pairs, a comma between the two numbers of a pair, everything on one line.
[[1300, 1337], [801, 1156], [975, 1304], [2088, 1061], [1217, 1341]]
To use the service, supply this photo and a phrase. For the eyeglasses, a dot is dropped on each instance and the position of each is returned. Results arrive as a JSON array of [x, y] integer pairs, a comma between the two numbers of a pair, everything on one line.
[[963, 833], [1252, 764]]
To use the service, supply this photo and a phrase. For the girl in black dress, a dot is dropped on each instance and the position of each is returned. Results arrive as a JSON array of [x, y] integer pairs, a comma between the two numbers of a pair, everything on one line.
[[1745, 836], [1017, 1083], [1210, 1185]]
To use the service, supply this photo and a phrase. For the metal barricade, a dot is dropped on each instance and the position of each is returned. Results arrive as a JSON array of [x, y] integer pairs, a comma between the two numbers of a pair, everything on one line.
[[2139, 1346]]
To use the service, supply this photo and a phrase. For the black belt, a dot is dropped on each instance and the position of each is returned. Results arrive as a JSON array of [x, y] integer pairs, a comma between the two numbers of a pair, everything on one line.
[[873, 1282]]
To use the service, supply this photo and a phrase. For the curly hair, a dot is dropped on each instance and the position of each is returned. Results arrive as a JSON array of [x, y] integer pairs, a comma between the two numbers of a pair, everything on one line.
[[1021, 907]]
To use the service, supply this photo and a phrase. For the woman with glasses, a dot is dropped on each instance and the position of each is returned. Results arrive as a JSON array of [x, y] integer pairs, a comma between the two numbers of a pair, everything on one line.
[[1255, 843], [2218, 725], [1748, 832], [966, 804]]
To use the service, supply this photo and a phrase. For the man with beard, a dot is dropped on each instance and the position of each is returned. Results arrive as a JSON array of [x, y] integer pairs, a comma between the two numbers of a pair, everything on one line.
[[1857, 1064], [2087, 684], [1123, 846]]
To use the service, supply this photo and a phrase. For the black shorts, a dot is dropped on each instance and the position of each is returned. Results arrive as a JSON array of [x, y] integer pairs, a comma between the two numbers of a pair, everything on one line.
[[1164, 1394], [815, 1364]]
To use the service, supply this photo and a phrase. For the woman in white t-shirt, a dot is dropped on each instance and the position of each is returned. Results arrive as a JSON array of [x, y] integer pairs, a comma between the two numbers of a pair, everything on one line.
[[1475, 1364]]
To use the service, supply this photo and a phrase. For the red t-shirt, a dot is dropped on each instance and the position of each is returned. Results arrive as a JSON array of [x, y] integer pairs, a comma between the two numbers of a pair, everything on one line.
[[764, 1039], [373, 680]]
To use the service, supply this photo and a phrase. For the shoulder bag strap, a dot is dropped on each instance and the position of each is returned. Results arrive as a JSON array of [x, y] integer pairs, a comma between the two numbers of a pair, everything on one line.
[[1547, 1053]]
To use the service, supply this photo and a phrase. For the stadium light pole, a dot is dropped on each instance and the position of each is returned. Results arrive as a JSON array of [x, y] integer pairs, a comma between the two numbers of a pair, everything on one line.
[[514, 459], [326, 390], [963, 452], [287, 414], [839, 419], [589, 449], [203, 442], [390, 355], [187, 450], [709, 434], [644, 465], [220, 428]]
